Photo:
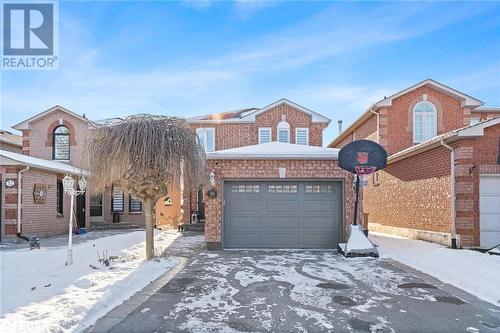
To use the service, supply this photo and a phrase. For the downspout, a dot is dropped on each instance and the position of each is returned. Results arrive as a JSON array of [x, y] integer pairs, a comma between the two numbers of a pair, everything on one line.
[[378, 124], [453, 212], [19, 196]]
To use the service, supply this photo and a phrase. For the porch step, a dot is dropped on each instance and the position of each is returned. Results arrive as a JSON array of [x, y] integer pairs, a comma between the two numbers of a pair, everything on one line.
[[114, 226], [200, 227]]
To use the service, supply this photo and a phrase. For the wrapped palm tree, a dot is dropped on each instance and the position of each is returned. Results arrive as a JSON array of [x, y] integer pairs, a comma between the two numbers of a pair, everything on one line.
[[146, 156]]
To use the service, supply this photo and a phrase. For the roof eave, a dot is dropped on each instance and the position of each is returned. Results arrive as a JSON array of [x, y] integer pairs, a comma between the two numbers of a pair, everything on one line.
[[272, 157]]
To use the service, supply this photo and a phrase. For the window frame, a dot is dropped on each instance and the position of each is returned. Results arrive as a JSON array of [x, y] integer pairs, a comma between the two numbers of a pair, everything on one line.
[[424, 122], [205, 131], [283, 126], [59, 198], [113, 210], [261, 129], [130, 198], [54, 143], [307, 135]]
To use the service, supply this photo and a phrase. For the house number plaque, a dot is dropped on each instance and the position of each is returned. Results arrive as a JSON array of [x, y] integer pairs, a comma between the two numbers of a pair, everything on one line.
[[212, 193]]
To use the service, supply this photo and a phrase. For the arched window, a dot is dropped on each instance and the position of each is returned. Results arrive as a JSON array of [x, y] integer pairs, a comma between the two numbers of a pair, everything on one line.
[[283, 131], [60, 143], [424, 121]]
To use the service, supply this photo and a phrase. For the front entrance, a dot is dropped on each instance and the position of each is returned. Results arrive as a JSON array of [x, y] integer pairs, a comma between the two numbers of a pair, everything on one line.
[[282, 214], [489, 210], [80, 211]]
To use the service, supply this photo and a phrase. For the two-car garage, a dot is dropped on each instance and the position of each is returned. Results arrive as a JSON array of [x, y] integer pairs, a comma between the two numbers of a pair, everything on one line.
[[282, 214]]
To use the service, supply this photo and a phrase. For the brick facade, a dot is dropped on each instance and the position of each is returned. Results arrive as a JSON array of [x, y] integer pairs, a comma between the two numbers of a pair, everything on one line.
[[234, 135], [268, 169]]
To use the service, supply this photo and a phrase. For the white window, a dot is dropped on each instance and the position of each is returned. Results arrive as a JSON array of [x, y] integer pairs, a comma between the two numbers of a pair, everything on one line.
[[60, 148], [264, 134], [302, 136], [117, 200], [206, 137], [424, 121], [283, 132]]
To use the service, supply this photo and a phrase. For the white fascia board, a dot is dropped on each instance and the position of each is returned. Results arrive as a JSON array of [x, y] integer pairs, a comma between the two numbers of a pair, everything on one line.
[[315, 117], [24, 124], [272, 156], [10, 158]]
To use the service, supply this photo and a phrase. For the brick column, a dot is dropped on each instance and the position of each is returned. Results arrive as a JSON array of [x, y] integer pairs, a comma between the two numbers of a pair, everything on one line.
[[9, 204]]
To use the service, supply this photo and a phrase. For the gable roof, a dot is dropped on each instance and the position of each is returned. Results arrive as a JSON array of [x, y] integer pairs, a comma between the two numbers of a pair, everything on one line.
[[24, 124], [464, 132], [10, 158], [387, 101], [275, 151], [249, 115]]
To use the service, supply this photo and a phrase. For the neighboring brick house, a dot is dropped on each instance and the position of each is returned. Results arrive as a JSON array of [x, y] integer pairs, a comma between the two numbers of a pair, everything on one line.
[[419, 127]]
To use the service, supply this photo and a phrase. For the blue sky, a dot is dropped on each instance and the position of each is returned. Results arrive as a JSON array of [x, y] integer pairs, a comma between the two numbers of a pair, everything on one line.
[[190, 58]]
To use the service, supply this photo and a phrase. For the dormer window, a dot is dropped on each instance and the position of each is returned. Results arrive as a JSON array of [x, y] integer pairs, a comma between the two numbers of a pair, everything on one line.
[[265, 134], [302, 136], [206, 138], [424, 121], [283, 131], [60, 143]]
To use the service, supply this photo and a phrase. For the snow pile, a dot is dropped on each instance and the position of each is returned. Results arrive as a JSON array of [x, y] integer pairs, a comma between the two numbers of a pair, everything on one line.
[[476, 273], [40, 294]]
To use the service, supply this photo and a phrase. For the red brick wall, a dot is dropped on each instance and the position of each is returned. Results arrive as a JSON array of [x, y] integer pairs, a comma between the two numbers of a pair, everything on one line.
[[267, 169], [413, 193], [367, 130], [230, 135], [399, 133], [473, 158]]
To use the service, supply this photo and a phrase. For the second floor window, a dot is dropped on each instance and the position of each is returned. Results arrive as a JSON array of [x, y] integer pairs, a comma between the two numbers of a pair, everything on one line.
[[283, 132], [424, 121], [302, 136], [60, 143], [264, 135], [117, 200], [206, 137]]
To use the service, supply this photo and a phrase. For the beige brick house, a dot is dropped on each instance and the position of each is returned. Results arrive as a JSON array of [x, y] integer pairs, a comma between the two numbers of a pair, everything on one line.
[[269, 181], [443, 173]]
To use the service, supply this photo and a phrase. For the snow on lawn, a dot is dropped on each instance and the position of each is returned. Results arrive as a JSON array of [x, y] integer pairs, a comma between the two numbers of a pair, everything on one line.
[[40, 294], [472, 271]]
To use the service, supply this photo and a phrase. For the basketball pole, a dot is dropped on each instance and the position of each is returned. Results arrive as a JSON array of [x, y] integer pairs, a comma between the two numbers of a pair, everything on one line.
[[356, 201]]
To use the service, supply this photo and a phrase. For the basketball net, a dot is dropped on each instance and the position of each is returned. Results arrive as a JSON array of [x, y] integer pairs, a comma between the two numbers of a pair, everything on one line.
[[363, 172]]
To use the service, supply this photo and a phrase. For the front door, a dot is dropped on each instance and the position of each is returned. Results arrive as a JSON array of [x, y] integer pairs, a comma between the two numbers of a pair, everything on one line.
[[80, 211], [96, 208]]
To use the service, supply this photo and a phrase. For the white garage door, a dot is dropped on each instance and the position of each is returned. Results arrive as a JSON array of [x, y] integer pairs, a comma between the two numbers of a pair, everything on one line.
[[489, 209]]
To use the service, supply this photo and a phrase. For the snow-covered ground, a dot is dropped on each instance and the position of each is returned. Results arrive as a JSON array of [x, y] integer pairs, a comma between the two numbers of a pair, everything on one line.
[[472, 271], [40, 294]]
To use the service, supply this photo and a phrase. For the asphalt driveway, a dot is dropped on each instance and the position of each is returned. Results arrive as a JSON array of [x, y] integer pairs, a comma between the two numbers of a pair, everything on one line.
[[302, 291]]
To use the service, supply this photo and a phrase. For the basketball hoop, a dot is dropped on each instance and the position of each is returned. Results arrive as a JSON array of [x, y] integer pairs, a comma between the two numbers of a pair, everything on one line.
[[363, 172]]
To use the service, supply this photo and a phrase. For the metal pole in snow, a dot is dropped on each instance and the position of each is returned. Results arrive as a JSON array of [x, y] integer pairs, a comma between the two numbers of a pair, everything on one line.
[[70, 233], [356, 202]]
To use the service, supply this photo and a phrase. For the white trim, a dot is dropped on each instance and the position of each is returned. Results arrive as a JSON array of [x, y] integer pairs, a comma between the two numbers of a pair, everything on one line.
[[316, 117], [25, 124], [270, 134], [466, 99], [10, 158], [283, 126], [307, 134], [275, 151]]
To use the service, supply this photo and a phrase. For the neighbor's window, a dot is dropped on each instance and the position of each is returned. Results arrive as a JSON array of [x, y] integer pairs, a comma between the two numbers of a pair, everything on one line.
[[283, 132], [60, 148], [117, 200], [60, 197], [302, 136], [206, 137], [134, 205], [264, 134], [424, 121]]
